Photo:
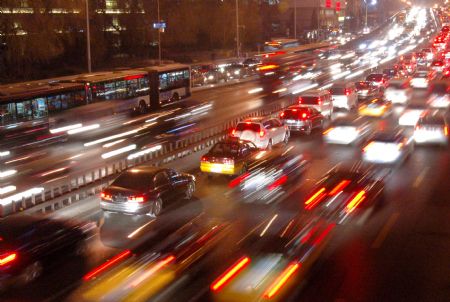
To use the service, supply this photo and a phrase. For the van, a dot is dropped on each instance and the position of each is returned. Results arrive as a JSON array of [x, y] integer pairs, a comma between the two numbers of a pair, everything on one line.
[[344, 95], [318, 99]]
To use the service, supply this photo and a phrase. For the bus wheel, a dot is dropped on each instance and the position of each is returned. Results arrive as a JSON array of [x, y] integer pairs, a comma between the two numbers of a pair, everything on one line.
[[175, 97], [142, 107]]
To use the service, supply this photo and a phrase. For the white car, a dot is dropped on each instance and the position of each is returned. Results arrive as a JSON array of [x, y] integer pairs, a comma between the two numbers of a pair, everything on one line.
[[344, 95], [398, 92], [346, 131], [263, 132], [439, 97], [431, 129], [411, 115], [387, 148], [420, 79], [319, 100]]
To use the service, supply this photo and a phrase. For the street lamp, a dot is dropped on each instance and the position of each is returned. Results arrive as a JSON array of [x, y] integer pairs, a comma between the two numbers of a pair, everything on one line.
[[159, 36], [374, 2], [88, 39]]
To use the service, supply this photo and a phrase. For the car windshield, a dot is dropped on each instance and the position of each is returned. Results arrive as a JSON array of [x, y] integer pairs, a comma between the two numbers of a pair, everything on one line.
[[294, 113], [225, 149], [309, 100], [248, 126], [375, 77], [431, 121], [439, 88], [362, 85], [337, 90], [396, 85], [420, 75], [134, 181]]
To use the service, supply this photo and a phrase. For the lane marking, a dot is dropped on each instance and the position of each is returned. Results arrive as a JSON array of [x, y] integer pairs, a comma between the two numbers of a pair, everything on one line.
[[385, 230], [420, 178]]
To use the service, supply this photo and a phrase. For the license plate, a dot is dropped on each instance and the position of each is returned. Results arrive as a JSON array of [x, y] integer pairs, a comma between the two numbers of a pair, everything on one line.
[[216, 168], [290, 121]]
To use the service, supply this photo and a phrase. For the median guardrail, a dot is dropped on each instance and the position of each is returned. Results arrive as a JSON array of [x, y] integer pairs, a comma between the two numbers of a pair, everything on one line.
[[84, 184]]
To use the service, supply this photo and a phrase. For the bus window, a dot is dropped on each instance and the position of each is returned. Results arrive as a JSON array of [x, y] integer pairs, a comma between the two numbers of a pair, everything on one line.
[[54, 103], [39, 108], [7, 113], [78, 98], [24, 110], [143, 86]]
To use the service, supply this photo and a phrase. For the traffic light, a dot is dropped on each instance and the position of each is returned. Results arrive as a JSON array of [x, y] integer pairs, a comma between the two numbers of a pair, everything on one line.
[[328, 3], [338, 6]]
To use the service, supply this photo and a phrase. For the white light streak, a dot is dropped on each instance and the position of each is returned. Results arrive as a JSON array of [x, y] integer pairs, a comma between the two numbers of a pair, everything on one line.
[[118, 151], [7, 173], [65, 128], [143, 152], [83, 129]]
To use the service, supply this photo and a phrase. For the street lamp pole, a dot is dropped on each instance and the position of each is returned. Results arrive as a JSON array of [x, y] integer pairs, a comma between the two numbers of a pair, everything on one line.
[[88, 39], [367, 4], [238, 52], [159, 37], [295, 19]]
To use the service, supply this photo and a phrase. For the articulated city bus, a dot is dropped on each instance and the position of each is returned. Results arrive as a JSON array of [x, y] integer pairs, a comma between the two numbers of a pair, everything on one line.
[[70, 99]]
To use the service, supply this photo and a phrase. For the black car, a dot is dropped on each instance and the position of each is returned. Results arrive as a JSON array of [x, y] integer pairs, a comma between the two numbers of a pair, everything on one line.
[[145, 190], [343, 191], [29, 243], [302, 119], [366, 90]]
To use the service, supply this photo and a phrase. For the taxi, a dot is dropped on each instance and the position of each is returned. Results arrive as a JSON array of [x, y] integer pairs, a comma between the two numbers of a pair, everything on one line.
[[230, 157], [375, 108]]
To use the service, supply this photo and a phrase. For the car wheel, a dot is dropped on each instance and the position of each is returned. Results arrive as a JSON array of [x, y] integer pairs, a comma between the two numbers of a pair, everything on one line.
[[156, 208], [269, 145], [81, 248], [142, 107], [175, 97], [286, 138], [309, 130], [190, 190], [31, 273]]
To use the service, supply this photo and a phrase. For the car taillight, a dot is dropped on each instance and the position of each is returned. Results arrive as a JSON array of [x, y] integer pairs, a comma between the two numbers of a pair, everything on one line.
[[114, 260], [7, 258], [277, 183], [319, 102], [446, 131], [300, 100], [105, 196], [281, 280], [282, 114], [262, 133], [230, 274], [353, 204], [347, 91], [204, 158], [136, 198], [233, 132], [304, 115], [235, 182], [315, 198]]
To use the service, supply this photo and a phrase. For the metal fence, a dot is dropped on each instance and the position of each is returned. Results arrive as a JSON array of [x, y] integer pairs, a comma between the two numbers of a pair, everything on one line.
[[91, 182]]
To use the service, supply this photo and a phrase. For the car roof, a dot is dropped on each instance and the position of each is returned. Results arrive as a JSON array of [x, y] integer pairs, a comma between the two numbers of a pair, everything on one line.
[[432, 119], [342, 83], [258, 119], [15, 225], [387, 136], [145, 169], [314, 92]]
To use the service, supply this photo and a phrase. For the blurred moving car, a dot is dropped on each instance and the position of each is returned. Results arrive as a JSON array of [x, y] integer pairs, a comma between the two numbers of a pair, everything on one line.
[[275, 258], [438, 65], [366, 90], [144, 276], [269, 180], [264, 132], [398, 91], [387, 148], [342, 192], [344, 95], [375, 108], [390, 73], [431, 129], [146, 190], [302, 119], [320, 100], [411, 114], [438, 96], [230, 157], [347, 131], [378, 79], [420, 79], [28, 244]]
